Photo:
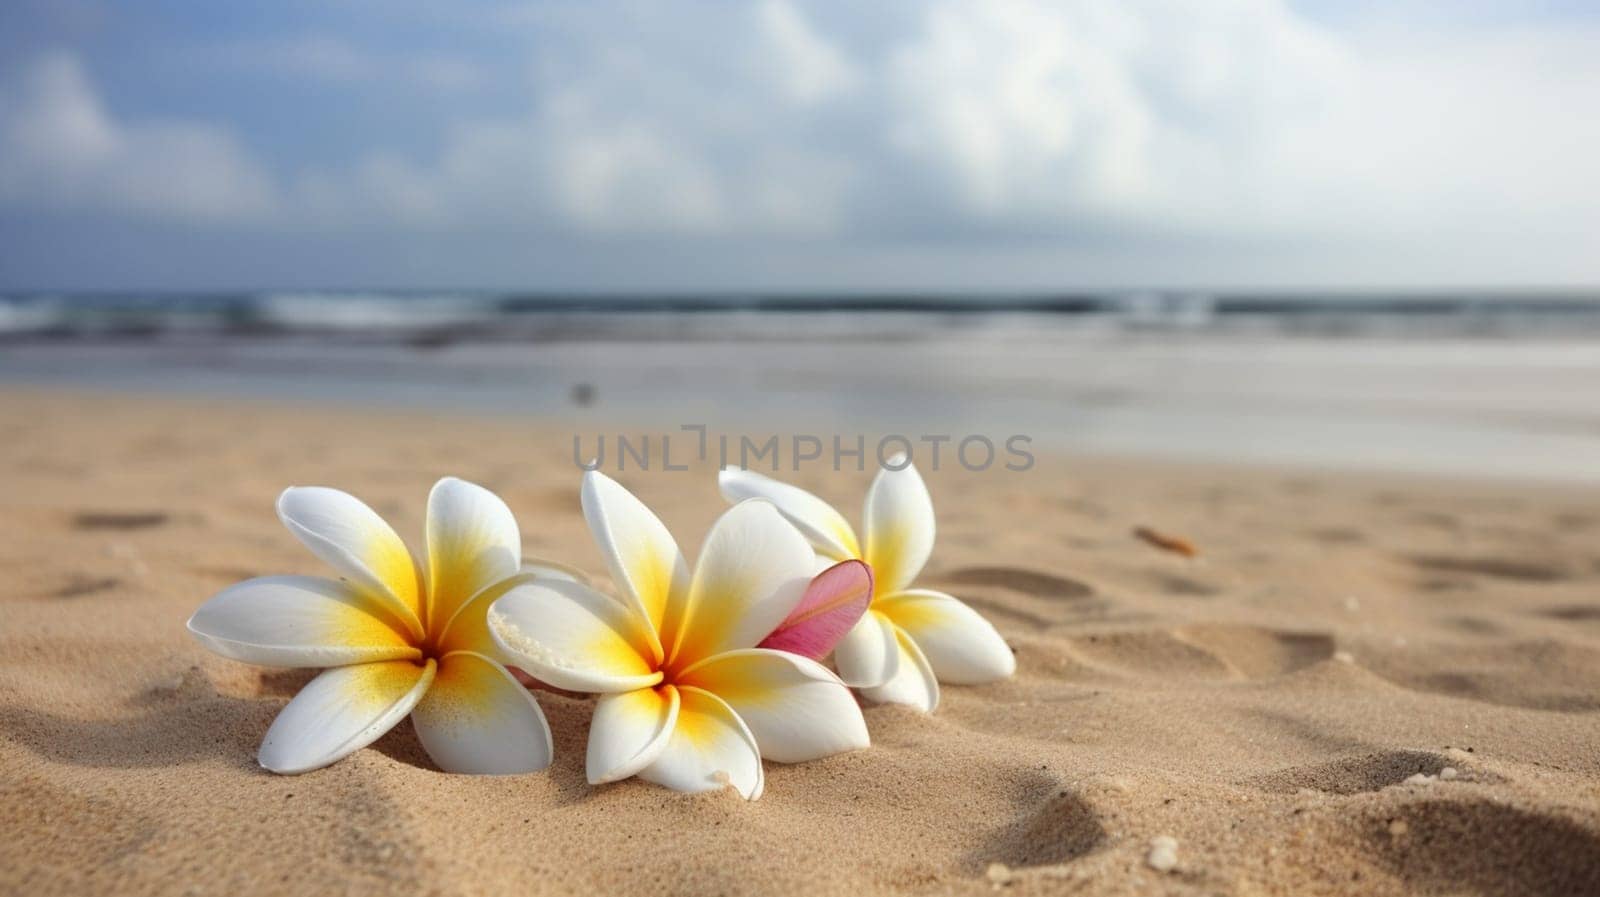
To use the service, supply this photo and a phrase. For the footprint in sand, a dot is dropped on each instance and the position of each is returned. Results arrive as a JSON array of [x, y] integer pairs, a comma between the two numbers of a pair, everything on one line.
[[1028, 582], [1458, 844], [119, 520], [82, 586], [1543, 674], [1513, 569], [1058, 828], [1575, 613], [1574, 521], [1205, 651], [995, 611], [1031, 598], [1256, 652], [1475, 846], [1354, 775]]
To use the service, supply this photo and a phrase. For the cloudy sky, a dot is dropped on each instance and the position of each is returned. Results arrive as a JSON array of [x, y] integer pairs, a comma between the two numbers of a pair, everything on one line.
[[956, 144]]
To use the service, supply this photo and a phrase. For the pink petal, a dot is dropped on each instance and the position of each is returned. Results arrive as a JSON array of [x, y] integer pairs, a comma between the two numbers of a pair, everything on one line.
[[523, 679], [833, 602]]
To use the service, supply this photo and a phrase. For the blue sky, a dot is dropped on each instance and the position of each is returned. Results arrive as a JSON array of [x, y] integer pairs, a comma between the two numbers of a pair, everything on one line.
[[780, 144]]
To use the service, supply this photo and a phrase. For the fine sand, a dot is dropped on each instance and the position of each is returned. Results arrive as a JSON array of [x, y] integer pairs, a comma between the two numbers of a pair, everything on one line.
[[1361, 684]]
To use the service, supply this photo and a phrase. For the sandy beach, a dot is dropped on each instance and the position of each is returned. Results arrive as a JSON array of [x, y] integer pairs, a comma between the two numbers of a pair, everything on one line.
[[1362, 683]]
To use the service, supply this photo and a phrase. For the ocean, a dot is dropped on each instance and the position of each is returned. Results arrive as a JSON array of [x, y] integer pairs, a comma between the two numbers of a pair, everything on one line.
[[1481, 384], [427, 316]]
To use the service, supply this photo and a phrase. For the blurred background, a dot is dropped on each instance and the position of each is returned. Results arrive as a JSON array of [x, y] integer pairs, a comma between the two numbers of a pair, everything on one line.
[[1351, 234]]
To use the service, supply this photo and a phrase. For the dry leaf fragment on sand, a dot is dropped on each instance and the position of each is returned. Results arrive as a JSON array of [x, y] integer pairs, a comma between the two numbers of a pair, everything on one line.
[[1167, 541]]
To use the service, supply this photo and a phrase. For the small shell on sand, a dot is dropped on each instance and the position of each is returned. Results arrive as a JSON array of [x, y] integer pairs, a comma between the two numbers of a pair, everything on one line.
[[1419, 778], [1448, 773], [998, 874], [1163, 855]]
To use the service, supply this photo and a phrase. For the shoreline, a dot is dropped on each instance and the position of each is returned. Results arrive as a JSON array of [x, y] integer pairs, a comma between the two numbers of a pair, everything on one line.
[[557, 432], [1516, 410]]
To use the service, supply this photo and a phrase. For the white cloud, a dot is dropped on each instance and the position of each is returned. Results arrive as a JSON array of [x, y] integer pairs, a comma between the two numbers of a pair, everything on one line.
[[1473, 133], [488, 175], [1232, 120], [807, 68], [1213, 118], [59, 147], [639, 130], [1029, 108], [619, 178]]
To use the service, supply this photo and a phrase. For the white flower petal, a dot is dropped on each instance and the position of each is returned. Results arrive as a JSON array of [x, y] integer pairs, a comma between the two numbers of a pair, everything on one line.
[[867, 655], [342, 711], [351, 537], [299, 621], [794, 707], [473, 542], [468, 630], [913, 682], [710, 748], [752, 571], [629, 731], [477, 719], [900, 526], [961, 646], [817, 520], [646, 565], [572, 637]]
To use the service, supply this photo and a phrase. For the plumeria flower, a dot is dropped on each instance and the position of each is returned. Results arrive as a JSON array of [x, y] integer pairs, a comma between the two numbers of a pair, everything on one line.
[[909, 639], [688, 699], [400, 637]]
